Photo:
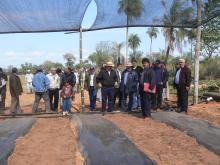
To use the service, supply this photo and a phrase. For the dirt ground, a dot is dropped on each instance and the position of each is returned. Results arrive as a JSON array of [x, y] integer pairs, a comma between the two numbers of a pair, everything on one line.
[[49, 142], [163, 144]]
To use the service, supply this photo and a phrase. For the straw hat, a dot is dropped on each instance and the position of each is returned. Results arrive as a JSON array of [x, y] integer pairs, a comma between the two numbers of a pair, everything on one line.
[[109, 64], [129, 64]]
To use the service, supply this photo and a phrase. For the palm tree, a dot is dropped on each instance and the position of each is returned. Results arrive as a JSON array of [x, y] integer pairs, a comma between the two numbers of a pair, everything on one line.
[[133, 42], [180, 36], [175, 14], [152, 33], [133, 10]]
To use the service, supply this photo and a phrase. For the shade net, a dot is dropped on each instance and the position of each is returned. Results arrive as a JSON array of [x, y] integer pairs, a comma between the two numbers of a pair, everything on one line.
[[23, 16]]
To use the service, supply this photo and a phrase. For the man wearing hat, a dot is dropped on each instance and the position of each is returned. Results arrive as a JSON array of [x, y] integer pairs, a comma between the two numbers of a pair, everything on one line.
[[128, 87], [41, 85], [3, 82], [29, 78], [147, 77], [106, 80], [90, 85]]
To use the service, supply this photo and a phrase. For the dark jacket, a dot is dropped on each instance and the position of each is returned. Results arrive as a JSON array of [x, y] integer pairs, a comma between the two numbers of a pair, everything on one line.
[[106, 80], [165, 77], [185, 77], [139, 70], [158, 75], [87, 81], [148, 76], [131, 84], [15, 85], [70, 78], [3, 76]]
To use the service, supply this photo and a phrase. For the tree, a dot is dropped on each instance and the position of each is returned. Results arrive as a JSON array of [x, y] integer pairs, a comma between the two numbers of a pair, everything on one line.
[[117, 48], [70, 59], [152, 33], [47, 65], [175, 14], [133, 9], [133, 42]]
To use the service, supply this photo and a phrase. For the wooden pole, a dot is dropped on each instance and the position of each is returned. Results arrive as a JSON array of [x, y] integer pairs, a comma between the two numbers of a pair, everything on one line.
[[81, 73], [197, 52]]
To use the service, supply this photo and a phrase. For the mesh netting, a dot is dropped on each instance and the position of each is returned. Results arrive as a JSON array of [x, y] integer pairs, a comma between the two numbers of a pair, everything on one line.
[[67, 15]]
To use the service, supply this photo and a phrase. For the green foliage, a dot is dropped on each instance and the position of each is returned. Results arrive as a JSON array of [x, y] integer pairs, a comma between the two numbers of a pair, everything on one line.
[[47, 65], [134, 42], [152, 32], [70, 59]]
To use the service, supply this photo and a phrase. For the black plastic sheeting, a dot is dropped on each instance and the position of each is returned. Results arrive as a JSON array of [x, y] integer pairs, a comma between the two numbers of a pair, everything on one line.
[[27, 16], [10, 130], [205, 133], [101, 142]]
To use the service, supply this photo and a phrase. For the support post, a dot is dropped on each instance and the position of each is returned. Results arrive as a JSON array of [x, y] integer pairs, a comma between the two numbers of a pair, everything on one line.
[[197, 52], [81, 73]]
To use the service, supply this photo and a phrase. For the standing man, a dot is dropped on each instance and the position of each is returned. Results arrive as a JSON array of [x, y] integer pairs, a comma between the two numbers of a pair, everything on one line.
[[90, 85], [54, 81], [118, 93], [29, 78], [147, 77], [128, 87], [106, 80], [157, 97], [15, 91], [165, 78], [138, 70], [3, 82], [182, 83], [41, 84]]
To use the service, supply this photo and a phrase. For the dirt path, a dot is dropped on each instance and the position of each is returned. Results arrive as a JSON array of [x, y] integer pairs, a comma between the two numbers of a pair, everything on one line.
[[163, 144], [49, 142]]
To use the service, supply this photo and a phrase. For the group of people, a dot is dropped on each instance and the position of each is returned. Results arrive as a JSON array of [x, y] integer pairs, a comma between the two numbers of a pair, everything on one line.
[[142, 86]]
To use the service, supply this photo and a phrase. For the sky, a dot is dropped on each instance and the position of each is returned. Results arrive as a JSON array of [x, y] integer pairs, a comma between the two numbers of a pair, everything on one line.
[[16, 49]]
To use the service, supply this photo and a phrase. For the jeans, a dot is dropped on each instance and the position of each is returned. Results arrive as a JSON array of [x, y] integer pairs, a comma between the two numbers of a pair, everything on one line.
[[66, 104], [54, 98], [130, 102], [38, 96], [107, 93], [136, 100], [92, 97]]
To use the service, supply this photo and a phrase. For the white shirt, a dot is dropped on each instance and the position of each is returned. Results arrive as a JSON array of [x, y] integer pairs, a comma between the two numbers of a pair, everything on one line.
[[109, 72], [54, 81], [177, 78], [91, 80], [29, 77], [77, 77], [119, 73]]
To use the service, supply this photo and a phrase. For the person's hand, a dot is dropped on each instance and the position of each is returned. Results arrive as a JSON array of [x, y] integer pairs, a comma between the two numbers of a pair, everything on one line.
[[187, 88], [99, 85]]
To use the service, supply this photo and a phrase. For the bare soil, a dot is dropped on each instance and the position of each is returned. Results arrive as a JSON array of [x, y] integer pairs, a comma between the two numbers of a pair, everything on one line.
[[49, 142], [162, 143]]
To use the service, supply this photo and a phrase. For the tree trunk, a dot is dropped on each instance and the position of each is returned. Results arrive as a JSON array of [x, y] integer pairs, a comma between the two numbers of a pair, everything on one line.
[[197, 53], [151, 47], [81, 76], [126, 55], [169, 44]]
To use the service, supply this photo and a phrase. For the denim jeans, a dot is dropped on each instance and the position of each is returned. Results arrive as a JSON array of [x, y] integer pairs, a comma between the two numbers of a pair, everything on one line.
[[107, 94], [130, 102], [92, 97], [66, 104]]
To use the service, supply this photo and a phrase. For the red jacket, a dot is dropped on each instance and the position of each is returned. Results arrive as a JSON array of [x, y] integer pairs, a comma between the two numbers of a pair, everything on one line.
[[67, 91]]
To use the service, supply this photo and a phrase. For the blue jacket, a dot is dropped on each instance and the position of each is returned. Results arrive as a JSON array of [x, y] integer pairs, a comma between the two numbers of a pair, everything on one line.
[[131, 84], [158, 75], [40, 82]]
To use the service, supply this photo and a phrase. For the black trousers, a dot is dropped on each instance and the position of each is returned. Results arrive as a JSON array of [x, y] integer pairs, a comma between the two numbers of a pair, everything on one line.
[[118, 95], [54, 98], [3, 97], [157, 97], [146, 103], [182, 98]]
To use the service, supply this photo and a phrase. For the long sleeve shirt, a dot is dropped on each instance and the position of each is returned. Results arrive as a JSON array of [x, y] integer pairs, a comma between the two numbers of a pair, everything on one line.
[[40, 82]]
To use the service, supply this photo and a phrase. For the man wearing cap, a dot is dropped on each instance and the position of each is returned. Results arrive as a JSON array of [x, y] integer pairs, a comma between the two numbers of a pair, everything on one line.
[[90, 85], [138, 70], [54, 81], [29, 78], [182, 83], [41, 85], [128, 87], [147, 77], [3, 82], [15, 91], [106, 80]]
